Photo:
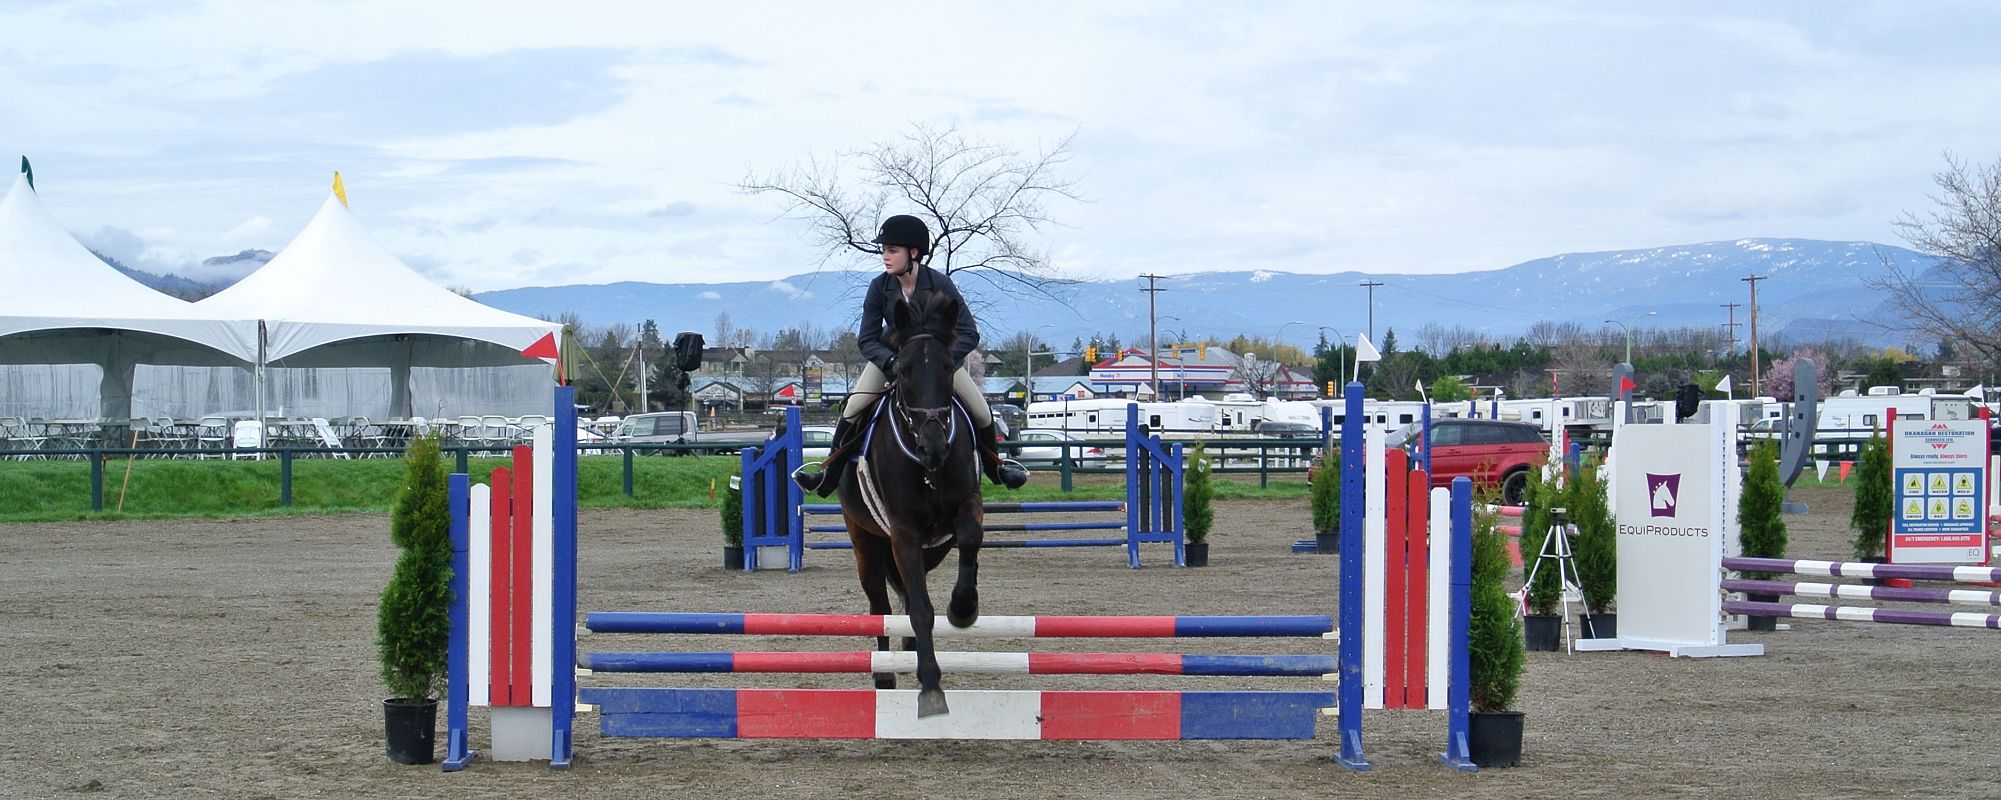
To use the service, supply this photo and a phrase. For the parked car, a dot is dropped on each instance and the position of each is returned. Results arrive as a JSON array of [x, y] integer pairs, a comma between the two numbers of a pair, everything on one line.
[[814, 441], [1492, 452], [679, 427], [1045, 447]]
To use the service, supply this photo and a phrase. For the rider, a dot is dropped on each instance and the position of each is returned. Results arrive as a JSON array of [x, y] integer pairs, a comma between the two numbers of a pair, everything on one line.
[[905, 242]]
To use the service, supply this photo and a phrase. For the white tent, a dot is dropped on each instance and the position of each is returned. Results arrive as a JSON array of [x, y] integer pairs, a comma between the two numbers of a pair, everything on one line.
[[335, 298], [63, 305]]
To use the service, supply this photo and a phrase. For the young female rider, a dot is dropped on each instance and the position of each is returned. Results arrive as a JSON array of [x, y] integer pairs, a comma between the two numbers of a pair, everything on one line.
[[905, 242]]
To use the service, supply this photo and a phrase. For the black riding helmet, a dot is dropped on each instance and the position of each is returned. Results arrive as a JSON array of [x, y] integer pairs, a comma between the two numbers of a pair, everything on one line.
[[907, 231]]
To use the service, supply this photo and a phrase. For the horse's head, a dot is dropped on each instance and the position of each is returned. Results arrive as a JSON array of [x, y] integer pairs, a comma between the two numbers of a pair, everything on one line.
[[923, 337]]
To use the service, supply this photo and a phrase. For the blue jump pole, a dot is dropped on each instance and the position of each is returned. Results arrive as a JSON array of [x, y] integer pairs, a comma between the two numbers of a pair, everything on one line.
[[1352, 576]]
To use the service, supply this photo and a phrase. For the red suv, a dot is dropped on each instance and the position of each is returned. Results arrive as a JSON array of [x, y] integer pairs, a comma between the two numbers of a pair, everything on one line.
[[1491, 452]]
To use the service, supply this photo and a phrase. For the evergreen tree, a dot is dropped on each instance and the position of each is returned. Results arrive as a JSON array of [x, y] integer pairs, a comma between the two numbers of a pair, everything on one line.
[[1326, 493], [1596, 545], [1198, 515], [413, 623], [1763, 531], [1494, 636]]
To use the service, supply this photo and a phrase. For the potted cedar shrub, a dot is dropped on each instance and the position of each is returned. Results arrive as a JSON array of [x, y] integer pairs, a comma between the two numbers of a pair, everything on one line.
[[1875, 501], [1326, 498], [1197, 515], [1494, 653], [413, 624], [732, 514], [1762, 532], [1595, 547], [1543, 507]]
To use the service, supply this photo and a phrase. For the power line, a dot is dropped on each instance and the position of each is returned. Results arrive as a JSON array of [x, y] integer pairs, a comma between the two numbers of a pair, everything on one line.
[[1730, 328]]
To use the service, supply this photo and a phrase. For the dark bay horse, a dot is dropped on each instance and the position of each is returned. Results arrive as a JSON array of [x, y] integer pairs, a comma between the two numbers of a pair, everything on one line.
[[914, 493]]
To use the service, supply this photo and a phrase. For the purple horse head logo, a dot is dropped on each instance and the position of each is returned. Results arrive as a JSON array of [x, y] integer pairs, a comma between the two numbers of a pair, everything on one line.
[[1663, 494]]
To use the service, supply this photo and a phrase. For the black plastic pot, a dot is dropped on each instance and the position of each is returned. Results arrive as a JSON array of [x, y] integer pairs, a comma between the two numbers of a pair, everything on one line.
[[1602, 625], [1542, 633], [1326, 543], [733, 557], [410, 729], [1495, 739], [1758, 623], [1195, 554]]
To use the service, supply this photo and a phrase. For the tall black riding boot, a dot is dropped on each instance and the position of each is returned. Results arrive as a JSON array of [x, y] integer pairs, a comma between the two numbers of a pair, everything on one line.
[[824, 482], [1005, 472]]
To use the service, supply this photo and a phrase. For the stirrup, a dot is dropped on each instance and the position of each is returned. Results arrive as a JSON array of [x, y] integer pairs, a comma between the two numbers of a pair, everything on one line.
[[800, 476]]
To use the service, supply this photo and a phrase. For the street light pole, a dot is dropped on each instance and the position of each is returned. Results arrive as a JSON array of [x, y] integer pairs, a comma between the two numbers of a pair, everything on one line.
[[1341, 348], [1629, 334], [1279, 370]]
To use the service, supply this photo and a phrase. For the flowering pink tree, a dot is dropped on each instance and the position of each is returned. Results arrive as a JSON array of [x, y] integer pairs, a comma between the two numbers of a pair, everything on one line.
[[1778, 381]]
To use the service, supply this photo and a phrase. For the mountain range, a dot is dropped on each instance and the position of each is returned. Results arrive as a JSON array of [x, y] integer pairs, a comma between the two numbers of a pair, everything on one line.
[[1814, 291]]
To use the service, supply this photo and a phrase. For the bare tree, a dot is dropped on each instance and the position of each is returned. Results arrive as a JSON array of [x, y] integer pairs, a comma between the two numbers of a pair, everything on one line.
[[1439, 340], [1959, 299], [982, 201], [726, 332], [1260, 376], [1554, 334]]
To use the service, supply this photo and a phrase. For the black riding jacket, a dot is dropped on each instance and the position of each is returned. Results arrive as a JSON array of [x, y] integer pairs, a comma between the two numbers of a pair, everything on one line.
[[884, 291]]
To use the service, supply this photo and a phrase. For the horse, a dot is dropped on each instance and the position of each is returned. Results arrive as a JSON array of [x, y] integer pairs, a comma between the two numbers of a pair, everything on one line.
[[914, 492]]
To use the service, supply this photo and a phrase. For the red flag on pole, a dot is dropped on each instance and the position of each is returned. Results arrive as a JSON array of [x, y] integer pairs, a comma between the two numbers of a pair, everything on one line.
[[544, 347], [1845, 467], [1626, 384]]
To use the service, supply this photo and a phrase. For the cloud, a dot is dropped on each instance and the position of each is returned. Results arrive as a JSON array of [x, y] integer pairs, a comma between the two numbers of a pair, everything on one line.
[[250, 232], [710, 295], [428, 93], [789, 290], [680, 208]]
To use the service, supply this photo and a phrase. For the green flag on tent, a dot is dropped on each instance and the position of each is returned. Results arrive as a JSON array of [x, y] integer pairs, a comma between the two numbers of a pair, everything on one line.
[[28, 171]]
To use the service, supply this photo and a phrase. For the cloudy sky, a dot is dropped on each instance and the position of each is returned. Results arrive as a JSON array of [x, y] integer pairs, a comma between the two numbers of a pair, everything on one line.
[[502, 144]]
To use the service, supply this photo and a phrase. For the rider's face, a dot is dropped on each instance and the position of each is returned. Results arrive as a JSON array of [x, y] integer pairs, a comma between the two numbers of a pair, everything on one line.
[[896, 258]]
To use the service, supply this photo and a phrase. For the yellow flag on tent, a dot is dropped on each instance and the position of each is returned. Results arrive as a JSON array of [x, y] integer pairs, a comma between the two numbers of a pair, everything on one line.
[[340, 191]]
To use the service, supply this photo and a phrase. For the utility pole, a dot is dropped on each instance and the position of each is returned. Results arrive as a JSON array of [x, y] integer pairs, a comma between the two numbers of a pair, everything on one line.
[[1152, 336], [1730, 328], [639, 344], [1371, 286], [1753, 280]]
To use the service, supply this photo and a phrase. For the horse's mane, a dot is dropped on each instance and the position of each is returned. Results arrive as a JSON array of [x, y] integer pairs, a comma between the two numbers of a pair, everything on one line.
[[932, 313]]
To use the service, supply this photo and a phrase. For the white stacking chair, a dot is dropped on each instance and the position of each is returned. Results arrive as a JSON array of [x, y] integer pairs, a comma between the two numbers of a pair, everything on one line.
[[499, 431], [211, 436], [527, 425]]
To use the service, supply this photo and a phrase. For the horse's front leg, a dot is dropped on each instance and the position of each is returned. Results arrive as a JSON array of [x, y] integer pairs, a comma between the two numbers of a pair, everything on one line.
[[917, 602], [872, 564], [964, 609]]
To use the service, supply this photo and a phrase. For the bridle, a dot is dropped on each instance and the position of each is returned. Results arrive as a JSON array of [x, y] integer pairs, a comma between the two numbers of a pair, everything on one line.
[[915, 417]]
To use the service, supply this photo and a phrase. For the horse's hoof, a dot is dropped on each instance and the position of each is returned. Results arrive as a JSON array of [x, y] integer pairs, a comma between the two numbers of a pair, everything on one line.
[[931, 703], [885, 680], [964, 610]]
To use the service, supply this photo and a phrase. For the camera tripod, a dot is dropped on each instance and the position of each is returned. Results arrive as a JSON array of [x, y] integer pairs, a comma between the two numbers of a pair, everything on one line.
[[1556, 550]]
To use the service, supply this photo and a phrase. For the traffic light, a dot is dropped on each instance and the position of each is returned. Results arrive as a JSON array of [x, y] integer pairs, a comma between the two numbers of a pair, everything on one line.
[[1330, 388], [1091, 354]]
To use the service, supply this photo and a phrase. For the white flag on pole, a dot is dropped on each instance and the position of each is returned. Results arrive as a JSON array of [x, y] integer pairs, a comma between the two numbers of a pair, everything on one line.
[[1820, 471], [1978, 392], [1365, 351], [1724, 387]]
